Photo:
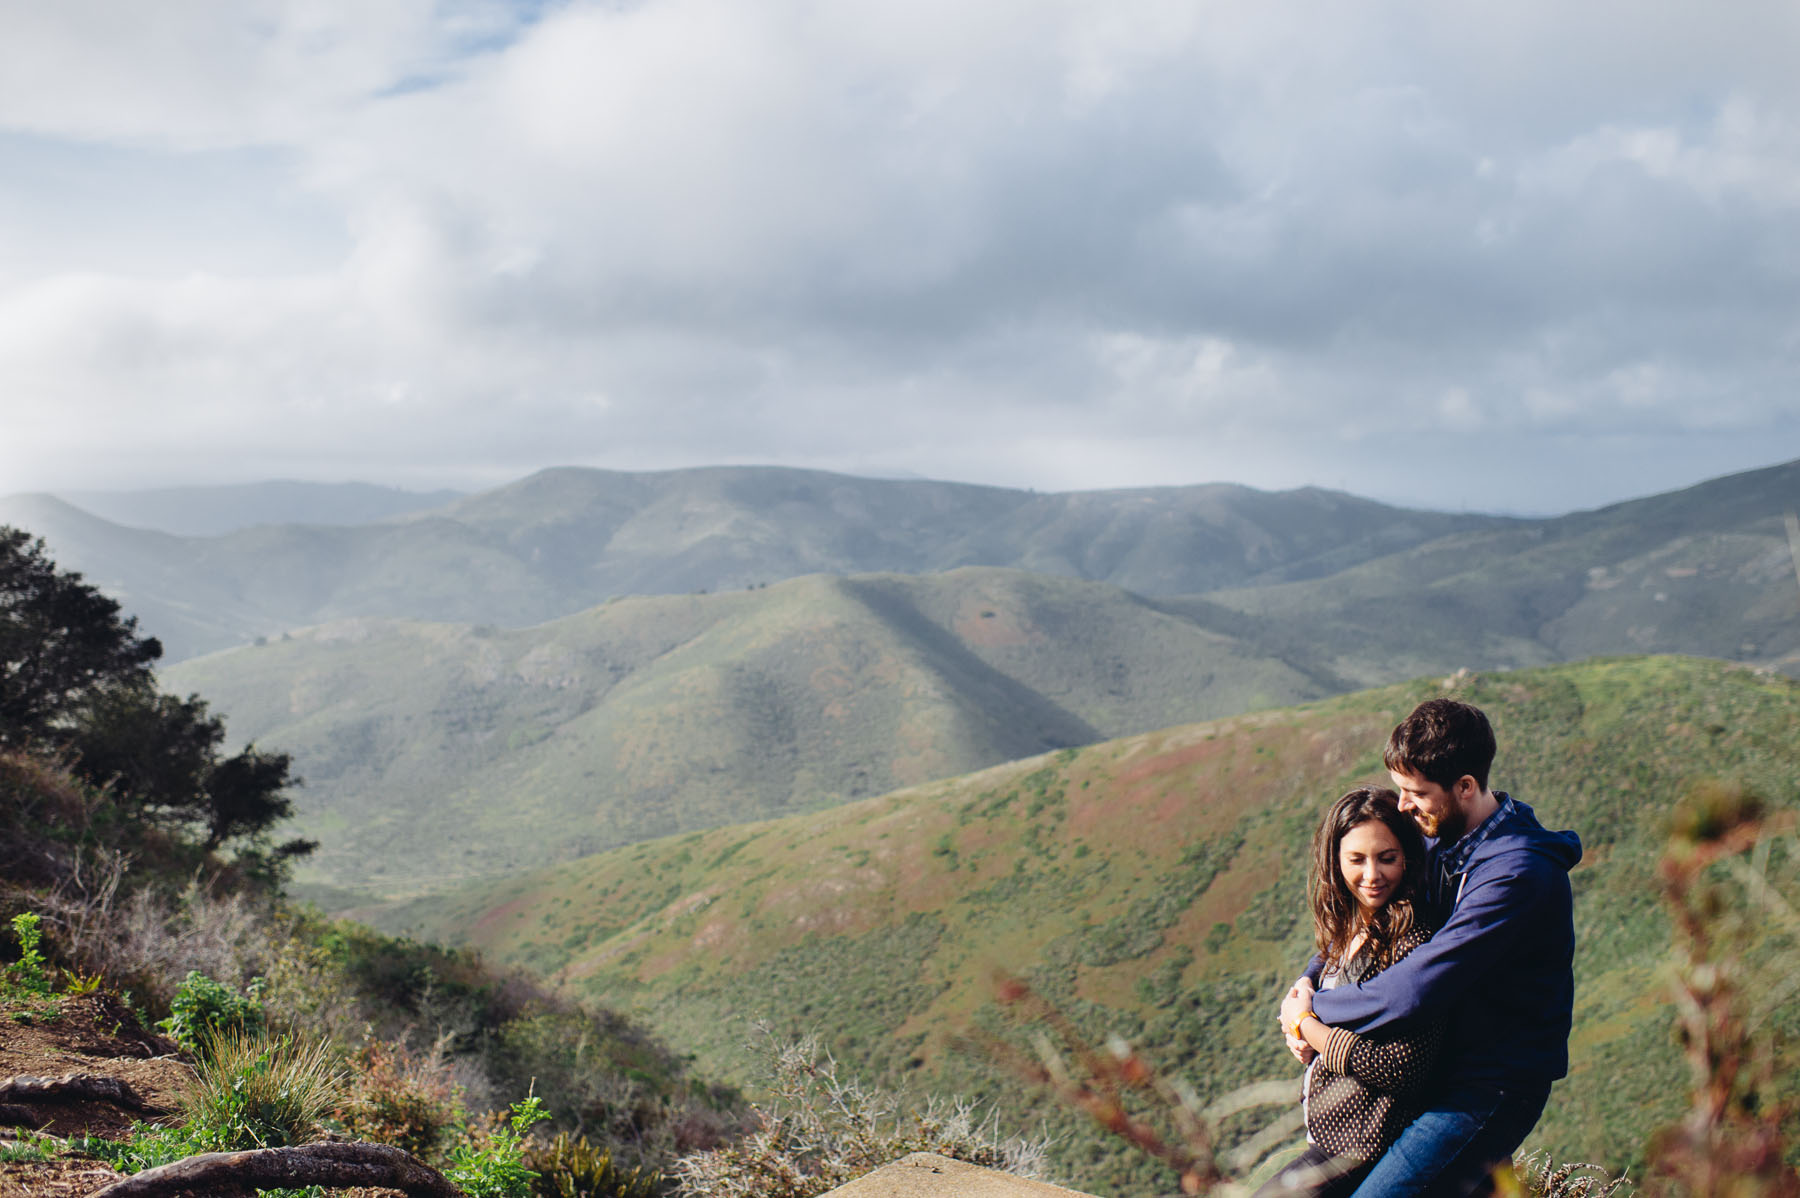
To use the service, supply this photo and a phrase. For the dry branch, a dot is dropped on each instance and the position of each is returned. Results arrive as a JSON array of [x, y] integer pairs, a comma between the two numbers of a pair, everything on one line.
[[288, 1168]]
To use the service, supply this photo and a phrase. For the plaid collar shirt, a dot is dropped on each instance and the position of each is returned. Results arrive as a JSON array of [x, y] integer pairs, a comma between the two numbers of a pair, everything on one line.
[[1453, 862]]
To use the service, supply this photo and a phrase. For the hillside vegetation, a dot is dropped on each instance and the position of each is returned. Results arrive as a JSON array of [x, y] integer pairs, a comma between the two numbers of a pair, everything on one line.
[[1153, 886], [441, 751]]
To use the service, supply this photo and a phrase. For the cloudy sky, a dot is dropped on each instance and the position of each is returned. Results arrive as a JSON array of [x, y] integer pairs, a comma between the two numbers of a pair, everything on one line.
[[1523, 257]]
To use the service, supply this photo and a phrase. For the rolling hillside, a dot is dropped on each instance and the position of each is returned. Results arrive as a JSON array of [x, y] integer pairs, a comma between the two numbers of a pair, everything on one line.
[[435, 752], [563, 540], [1152, 885]]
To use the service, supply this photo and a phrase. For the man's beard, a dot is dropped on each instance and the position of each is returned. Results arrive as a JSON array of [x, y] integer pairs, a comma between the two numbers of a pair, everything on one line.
[[1446, 827]]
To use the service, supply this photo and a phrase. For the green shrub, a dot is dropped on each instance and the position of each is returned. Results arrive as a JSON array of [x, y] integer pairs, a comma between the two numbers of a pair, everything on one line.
[[27, 975], [204, 1010], [253, 1092], [569, 1167], [494, 1166]]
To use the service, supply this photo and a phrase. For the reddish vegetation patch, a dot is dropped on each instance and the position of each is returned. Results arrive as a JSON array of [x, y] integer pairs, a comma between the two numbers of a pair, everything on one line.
[[1168, 761], [492, 921]]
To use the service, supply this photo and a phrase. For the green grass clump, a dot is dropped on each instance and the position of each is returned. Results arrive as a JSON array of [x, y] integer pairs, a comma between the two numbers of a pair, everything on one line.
[[254, 1092], [249, 1092], [572, 1167]]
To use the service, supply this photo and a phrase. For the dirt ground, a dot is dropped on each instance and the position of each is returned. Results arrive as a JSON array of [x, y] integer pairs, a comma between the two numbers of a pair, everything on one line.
[[92, 1035]]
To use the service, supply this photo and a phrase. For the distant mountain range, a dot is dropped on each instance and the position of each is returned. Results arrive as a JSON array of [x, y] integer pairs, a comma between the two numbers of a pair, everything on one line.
[[1154, 887], [566, 539], [445, 729]]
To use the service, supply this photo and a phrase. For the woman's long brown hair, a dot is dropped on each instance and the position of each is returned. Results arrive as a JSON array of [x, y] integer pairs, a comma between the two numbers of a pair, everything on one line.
[[1336, 913]]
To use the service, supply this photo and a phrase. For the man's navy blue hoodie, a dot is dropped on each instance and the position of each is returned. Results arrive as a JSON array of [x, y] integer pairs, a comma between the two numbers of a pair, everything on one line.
[[1501, 964]]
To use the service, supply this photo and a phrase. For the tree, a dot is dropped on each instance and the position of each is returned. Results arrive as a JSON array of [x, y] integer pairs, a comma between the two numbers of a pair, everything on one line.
[[159, 757], [62, 642], [75, 678]]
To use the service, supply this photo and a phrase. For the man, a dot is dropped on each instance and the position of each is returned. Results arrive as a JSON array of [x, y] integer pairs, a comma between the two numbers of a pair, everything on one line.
[[1497, 888]]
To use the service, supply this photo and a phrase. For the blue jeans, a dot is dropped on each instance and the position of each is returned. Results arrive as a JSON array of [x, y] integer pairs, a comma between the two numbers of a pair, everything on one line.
[[1451, 1150]]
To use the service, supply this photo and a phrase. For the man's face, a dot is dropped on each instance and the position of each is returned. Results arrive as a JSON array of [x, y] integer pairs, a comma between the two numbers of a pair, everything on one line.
[[1432, 807]]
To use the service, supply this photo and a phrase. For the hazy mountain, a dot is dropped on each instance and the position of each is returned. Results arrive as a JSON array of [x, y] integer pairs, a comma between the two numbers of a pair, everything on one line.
[[214, 510], [566, 539], [1154, 887], [433, 751], [1705, 570]]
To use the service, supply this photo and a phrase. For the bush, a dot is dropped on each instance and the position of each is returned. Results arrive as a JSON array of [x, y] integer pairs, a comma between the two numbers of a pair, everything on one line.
[[27, 974], [401, 1098], [570, 1167], [253, 1092], [493, 1165], [203, 1011]]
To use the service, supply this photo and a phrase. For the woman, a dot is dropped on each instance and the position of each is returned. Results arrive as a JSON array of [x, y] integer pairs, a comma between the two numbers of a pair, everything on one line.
[[1367, 861]]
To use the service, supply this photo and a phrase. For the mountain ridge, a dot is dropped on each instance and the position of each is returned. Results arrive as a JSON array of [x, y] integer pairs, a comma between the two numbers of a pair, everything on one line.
[[567, 538]]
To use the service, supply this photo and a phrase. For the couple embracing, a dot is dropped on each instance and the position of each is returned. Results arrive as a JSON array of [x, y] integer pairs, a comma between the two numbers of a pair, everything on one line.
[[1436, 1013]]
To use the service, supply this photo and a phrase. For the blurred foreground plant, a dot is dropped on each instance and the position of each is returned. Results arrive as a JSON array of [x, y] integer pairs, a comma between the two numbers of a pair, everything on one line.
[[1729, 1143], [1122, 1092], [817, 1131]]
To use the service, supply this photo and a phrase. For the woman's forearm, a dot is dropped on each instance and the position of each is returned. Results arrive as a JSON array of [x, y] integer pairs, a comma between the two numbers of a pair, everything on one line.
[[1315, 1032]]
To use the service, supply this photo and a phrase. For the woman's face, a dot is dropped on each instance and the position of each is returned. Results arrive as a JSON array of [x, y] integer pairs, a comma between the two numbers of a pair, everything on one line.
[[1372, 862]]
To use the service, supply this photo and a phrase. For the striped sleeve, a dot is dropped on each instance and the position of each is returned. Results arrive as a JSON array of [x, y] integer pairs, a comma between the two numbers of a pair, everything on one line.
[[1389, 1063]]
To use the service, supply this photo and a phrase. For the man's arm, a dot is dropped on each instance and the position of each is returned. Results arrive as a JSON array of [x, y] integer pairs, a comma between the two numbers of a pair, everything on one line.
[[1495, 912]]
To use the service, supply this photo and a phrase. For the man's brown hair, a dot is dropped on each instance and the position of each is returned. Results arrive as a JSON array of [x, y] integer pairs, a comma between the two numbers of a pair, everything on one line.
[[1440, 742]]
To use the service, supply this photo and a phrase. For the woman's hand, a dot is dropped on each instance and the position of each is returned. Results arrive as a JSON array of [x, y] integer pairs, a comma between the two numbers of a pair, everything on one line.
[[1297, 1003]]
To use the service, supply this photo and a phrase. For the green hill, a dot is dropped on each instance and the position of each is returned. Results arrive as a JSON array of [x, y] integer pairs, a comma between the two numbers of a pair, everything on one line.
[[436, 752], [1153, 886]]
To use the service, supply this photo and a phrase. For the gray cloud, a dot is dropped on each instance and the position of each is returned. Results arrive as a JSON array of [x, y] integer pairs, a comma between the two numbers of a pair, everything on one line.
[[1065, 245]]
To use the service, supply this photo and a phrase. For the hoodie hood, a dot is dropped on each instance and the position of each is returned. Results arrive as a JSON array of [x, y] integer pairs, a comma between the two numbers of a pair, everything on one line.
[[1520, 832]]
